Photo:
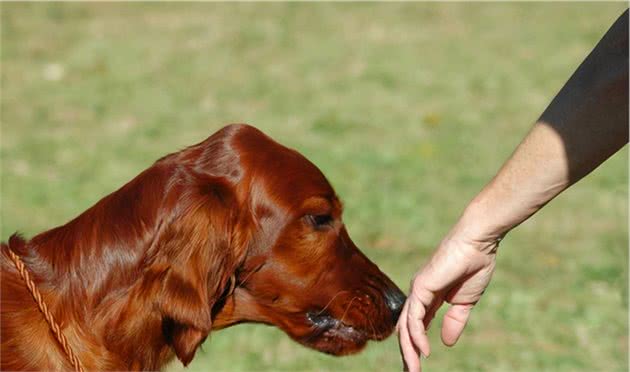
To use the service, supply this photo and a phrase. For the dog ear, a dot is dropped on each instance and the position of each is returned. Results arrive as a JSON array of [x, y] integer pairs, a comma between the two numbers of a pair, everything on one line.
[[185, 308], [200, 255], [185, 343]]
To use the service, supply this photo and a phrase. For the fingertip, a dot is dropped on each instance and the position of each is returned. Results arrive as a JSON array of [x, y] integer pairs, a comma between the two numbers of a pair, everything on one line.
[[455, 321], [411, 361], [418, 336], [450, 335], [448, 340]]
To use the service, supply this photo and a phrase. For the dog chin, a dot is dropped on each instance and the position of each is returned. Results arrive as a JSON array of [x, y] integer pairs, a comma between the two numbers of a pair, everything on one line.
[[331, 336]]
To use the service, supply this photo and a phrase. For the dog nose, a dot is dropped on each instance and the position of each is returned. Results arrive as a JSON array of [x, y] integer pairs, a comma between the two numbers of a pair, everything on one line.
[[395, 300]]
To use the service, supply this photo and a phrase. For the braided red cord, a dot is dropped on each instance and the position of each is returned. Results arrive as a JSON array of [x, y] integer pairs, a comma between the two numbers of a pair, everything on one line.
[[44, 309]]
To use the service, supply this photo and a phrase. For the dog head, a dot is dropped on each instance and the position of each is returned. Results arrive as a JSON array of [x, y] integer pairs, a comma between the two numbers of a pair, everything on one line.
[[269, 246]]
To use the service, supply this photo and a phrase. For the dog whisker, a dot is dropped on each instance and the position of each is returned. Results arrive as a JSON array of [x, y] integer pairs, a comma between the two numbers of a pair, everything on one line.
[[330, 302]]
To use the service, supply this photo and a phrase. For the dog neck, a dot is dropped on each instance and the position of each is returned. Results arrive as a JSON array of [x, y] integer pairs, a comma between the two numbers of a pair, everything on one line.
[[143, 266], [90, 273]]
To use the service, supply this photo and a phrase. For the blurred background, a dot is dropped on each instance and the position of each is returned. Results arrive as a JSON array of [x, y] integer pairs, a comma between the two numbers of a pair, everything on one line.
[[408, 108]]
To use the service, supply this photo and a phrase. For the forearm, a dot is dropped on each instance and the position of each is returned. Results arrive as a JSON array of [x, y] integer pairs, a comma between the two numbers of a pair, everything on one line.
[[584, 125]]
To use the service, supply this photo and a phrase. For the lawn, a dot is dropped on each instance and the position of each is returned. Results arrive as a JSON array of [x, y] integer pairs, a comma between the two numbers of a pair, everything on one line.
[[408, 108]]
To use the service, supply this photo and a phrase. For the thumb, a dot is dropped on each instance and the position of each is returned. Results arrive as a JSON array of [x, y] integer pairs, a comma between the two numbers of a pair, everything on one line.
[[454, 322]]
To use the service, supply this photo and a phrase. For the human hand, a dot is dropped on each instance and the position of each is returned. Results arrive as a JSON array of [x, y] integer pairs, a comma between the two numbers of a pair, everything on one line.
[[585, 124], [458, 272]]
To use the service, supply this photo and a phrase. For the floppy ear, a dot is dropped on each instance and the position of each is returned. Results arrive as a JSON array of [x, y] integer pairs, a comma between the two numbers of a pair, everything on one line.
[[200, 256], [185, 309]]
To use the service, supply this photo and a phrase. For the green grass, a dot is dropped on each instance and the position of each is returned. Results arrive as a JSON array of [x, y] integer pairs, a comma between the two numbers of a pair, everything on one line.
[[408, 108]]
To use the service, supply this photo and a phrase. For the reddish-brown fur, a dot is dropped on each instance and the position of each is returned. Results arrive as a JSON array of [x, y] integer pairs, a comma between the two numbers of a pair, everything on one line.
[[237, 228]]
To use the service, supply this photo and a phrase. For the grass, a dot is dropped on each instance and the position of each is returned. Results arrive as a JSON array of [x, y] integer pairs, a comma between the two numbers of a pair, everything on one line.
[[408, 108]]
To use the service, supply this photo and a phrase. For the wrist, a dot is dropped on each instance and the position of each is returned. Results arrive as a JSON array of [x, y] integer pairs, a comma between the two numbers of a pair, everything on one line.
[[477, 227]]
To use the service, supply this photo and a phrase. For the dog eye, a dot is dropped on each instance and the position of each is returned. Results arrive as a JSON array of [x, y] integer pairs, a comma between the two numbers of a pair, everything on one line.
[[319, 221]]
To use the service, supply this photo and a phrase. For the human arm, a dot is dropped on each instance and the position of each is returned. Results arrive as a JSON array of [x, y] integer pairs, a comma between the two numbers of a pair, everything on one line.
[[583, 126]]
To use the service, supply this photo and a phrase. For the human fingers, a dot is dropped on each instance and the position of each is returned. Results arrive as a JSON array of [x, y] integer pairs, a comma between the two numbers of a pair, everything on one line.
[[409, 353], [418, 301], [454, 323]]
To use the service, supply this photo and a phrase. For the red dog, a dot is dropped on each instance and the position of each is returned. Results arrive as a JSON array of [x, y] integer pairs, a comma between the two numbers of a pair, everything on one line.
[[235, 229]]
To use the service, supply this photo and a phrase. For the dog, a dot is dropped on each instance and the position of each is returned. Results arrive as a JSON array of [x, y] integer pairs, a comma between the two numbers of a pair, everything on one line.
[[237, 228]]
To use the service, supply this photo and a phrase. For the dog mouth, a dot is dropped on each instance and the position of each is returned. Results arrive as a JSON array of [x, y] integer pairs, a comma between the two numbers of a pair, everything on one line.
[[329, 327]]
